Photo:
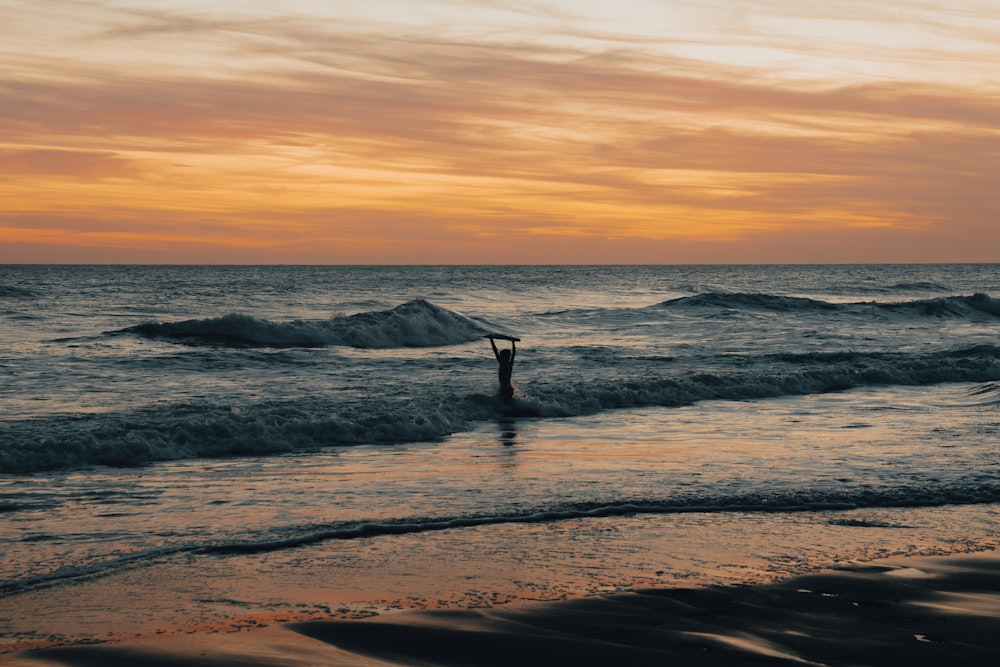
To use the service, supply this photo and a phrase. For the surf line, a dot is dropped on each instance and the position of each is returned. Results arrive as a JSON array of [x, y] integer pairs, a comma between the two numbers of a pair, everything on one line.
[[369, 530]]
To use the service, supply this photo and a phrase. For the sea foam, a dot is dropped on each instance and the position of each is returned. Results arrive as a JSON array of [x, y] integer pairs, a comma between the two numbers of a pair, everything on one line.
[[416, 323], [207, 430]]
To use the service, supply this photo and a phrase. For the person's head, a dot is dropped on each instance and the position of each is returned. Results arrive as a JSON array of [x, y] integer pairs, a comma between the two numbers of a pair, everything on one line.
[[504, 355]]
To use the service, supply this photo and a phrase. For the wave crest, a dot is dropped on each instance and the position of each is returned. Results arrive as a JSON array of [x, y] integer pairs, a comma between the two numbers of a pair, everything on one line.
[[949, 306], [975, 305], [206, 431], [746, 300], [416, 323]]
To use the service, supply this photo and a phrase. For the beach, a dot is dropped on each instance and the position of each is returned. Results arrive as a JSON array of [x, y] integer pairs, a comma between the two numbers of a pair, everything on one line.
[[306, 465], [927, 611]]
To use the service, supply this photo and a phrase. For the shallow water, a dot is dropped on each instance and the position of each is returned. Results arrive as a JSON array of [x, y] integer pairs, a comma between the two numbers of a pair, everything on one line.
[[331, 550]]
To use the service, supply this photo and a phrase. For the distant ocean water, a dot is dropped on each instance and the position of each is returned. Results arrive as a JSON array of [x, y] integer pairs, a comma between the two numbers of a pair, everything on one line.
[[137, 391]]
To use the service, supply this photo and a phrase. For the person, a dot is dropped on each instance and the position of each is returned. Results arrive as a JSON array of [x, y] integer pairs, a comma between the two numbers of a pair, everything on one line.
[[506, 360]]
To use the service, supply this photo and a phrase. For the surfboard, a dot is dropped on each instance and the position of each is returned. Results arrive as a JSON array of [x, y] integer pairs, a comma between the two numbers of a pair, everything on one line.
[[503, 337]]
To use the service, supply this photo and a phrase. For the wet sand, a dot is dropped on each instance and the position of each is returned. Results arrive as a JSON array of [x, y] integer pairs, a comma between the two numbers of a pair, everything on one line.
[[926, 611]]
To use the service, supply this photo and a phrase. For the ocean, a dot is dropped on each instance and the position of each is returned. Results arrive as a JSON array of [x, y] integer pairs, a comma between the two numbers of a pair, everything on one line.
[[184, 444]]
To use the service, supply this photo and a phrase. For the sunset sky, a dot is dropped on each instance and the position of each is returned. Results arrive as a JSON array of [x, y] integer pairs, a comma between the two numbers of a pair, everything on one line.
[[505, 131]]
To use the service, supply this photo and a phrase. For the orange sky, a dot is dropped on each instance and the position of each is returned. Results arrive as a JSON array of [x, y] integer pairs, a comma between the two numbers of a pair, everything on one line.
[[517, 131]]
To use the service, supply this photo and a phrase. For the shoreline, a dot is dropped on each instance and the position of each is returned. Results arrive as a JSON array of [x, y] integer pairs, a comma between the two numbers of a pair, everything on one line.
[[913, 611]]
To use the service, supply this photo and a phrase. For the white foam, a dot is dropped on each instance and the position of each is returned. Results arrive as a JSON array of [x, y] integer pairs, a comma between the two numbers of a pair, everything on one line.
[[416, 323]]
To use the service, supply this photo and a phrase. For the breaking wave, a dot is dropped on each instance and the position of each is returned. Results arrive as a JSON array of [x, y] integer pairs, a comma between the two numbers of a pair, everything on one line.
[[951, 306], [209, 431], [206, 431], [416, 323]]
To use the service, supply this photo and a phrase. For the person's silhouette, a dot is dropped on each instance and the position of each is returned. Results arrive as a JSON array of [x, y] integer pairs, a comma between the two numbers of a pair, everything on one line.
[[506, 360]]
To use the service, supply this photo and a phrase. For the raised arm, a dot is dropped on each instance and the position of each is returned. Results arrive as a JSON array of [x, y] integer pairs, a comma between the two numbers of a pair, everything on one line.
[[513, 351], [496, 353]]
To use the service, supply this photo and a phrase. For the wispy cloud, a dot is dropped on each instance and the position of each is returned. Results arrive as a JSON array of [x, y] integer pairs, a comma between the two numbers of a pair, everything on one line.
[[334, 133]]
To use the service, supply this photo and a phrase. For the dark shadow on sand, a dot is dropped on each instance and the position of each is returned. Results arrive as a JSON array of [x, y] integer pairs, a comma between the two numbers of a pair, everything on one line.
[[868, 616], [921, 613]]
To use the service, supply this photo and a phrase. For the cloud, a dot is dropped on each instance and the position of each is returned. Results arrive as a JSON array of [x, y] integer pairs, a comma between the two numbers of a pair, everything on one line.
[[297, 129], [81, 164]]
